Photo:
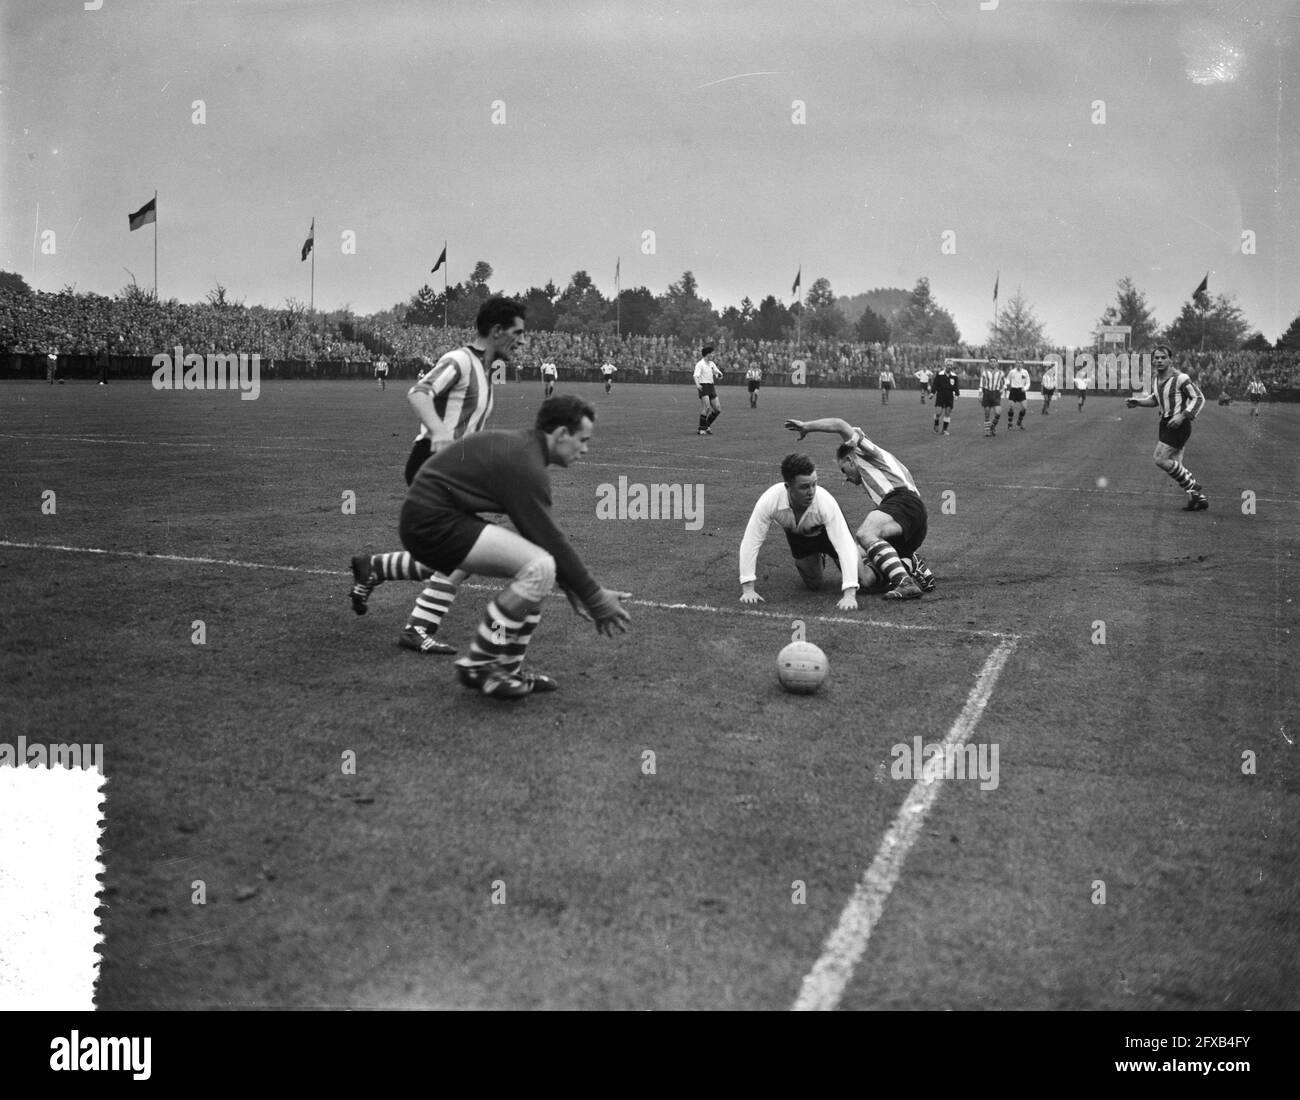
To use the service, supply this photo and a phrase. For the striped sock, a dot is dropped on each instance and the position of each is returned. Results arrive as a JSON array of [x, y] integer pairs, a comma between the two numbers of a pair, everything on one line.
[[885, 558], [491, 643], [400, 566], [1183, 476], [517, 648], [433, 603]]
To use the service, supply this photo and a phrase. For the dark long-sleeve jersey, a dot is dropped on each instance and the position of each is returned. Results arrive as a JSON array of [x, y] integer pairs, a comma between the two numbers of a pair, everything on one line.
[[944, 386], [504, 472]]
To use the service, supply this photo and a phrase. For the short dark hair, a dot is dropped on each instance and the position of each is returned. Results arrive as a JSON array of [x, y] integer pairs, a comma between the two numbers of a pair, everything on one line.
[[843, 451], [706, 351], [497, 311], [1165, 348], [564, 411], [793, 466]]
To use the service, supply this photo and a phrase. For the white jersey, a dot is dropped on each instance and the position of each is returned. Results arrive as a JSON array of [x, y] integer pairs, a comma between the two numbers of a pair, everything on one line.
[[706, 372], [1018, 378], [1049, 378], [608, 370], [549, 370], [823, 514]]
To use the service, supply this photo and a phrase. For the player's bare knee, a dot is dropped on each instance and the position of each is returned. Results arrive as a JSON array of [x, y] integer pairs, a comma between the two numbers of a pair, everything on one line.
[[536, 580]]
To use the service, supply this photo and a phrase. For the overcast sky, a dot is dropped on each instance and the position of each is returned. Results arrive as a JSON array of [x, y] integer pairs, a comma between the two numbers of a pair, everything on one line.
[[623, 116]]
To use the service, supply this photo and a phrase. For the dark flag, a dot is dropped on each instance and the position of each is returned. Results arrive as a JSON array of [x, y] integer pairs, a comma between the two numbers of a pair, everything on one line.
[[442, 259], [996, 279], [798, 281], [1200, 295], [146, 214], [310, 241]]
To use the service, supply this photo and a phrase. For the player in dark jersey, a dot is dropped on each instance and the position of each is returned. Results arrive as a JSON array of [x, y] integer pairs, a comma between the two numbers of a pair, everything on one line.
[[441, 528], [945, 386]]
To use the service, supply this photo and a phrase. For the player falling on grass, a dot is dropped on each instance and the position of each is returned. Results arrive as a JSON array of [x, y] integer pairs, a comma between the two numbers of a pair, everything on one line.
[[1180, 402], [895, 528], [993, 380], [1257, 392], [814, 528], [1048, 385], [1017, 394], [754, 382], [452, 400], [443, 532], [549, 374], [706, 378], [946, 387]]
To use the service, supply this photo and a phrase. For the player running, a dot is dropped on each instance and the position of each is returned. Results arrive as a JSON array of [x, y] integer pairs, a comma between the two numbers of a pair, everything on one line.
[[1180, 401], [608, 371], [753, 381], [1017, 393], [1257, 392], [945, 386], [549, 375], [814, 527], [993, 381], [452, 400], [706, 376], [1048, 385], [895, 528]]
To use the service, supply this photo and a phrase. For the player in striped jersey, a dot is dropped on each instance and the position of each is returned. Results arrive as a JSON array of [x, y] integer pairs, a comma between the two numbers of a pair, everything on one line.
[[453, 399], [895, 528], [1257, 392], [1180, 402], [993, 380], [1048, 384]]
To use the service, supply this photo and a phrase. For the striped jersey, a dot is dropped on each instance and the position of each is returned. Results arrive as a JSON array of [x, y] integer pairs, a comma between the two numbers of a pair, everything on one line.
[[1049, 378], [993, 379], [822, 515], [881, 472], [754, 374], [886, 377], [1257, 387], [461, 392], [1177, 394]]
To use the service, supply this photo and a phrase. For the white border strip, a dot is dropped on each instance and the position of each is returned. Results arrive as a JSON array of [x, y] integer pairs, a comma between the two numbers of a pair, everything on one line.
[[824, 985]]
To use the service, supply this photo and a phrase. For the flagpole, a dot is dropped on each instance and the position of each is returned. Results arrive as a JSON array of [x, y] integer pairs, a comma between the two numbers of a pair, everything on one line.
[[36, 232], [618, 301], [155, 245], [311, 305]]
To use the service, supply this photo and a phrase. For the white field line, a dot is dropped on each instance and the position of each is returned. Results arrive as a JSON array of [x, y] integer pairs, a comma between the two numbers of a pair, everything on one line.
[[785, 617], [824, 985]]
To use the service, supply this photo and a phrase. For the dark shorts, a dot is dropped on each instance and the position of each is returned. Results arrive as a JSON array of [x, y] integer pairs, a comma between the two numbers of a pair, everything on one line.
[[908, 511], [706, 390], [804, 546], [886, 385], [1254, 399], [440, 536], [991, 399], [1017, 395], [754, 383], [1049, 391], [419, 454], [1175, 437]]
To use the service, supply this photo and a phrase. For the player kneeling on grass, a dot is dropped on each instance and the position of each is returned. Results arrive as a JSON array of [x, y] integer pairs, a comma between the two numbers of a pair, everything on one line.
[[894, 530], [814, 527], [506, 472]]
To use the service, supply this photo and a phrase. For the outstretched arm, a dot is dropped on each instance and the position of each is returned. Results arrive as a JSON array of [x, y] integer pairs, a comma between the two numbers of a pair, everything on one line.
[[833, 424]]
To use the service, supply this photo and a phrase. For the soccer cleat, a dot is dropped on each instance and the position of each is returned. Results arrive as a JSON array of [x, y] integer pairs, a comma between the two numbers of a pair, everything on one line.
[[906, 589], [936, 429], [700, 432], [418, 639], [920, 572], [364, 580], [539, 682], [946, 432], [1021, 427], [1199, 503]]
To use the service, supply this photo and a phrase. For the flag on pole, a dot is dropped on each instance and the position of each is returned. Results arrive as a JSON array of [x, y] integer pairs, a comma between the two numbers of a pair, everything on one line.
[[310, 241], [617, 265], [1199, 294], [146, 214], [996, 279], [798, 281], [442, 259]]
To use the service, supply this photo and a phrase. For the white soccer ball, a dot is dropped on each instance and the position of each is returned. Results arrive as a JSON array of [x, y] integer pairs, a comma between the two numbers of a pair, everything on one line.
[[801, 667]]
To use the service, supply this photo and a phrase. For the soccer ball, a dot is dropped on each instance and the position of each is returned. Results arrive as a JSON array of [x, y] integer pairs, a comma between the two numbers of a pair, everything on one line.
[[801, 667]]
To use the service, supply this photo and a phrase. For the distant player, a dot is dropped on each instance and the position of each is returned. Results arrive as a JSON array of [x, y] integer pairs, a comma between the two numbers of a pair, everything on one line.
[[1048, 383], [453, 399], [706, 377], [945, 386], [381, 372], [753, 380], [1257, 392], [886, 385], [1017, 393], [1180, 402], [814, 527], [923, 376], [1082, 376], [52, 366], [993, 381], [550, 373], [895, 528], [608, 371]]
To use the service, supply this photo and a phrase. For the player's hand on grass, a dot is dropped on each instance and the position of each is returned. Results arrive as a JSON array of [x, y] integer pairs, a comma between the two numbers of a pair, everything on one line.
[[797, 426], [748, 595], [608, 612], [849, 601]]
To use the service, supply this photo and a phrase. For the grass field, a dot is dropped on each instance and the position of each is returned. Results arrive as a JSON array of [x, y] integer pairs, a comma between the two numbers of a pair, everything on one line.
[[487, 855]]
